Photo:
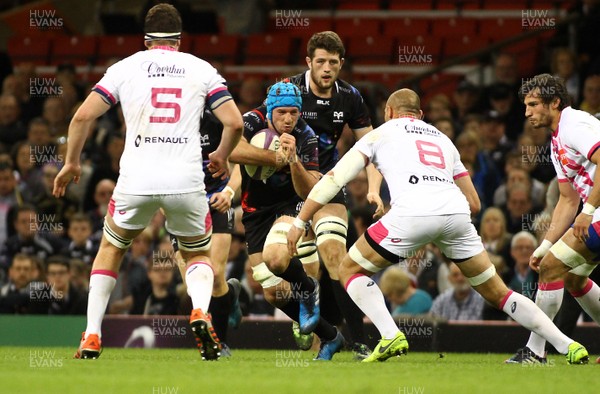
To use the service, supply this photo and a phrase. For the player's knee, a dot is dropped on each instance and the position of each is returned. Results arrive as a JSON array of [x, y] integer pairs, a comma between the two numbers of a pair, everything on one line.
[[265, 277], [575, 283], [276, 259]]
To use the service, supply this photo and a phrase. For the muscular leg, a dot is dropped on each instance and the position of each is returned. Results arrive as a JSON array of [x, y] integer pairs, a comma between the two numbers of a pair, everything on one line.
[[220, 303], [331, 242], [479, 271], [104, 274]]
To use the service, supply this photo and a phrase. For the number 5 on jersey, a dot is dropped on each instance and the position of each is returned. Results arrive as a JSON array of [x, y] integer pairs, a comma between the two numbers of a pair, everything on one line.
[[166, 104]]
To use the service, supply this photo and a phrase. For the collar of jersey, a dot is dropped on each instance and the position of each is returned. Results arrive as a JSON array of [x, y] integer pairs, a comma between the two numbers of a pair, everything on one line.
[[164, 47]]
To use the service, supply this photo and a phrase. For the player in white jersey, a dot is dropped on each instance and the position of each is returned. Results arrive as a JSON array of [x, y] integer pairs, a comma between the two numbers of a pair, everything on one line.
[[572, 239], [162, 93], [432, 200]]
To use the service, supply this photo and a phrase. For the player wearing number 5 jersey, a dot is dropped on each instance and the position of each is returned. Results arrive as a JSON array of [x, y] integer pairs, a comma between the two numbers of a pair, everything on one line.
[[432, 199], [163, 93]]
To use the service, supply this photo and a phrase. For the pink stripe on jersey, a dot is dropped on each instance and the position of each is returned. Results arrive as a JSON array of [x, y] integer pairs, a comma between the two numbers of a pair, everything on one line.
[[466, 173], [164, 47], [104, 272], [111, 207], [207, 223], [585, 290], [594, 148], [378, 232], [551, 286], [108, 94], [217, 90]]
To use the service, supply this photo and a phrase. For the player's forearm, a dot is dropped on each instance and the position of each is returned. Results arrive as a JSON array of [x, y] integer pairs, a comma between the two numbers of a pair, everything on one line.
[[235, 180], [302, 179], [231, 137], [244, 153], [374, 178], [78, 130], [562, 218], [309, 208]]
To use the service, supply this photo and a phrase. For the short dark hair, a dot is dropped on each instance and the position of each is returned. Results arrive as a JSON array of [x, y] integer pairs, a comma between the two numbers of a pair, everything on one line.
[[59, 260], [547, 88], [162, 18], [328, 40]]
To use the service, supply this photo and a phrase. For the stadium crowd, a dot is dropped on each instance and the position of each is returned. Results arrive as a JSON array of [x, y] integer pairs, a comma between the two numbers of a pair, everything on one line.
[[47, 244]]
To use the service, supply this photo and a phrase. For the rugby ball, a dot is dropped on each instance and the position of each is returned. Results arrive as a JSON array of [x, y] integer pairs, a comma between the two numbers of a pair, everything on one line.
[[264, 139]]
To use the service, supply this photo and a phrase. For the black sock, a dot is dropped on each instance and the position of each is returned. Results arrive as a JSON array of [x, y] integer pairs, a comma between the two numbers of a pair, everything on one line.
[[325, 331], [351, 312], [291, 309], [219, 309], [296, 276]]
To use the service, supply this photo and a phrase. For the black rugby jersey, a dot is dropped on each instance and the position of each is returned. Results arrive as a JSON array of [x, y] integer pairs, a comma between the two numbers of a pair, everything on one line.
[[327, 116], [211, 130], [278, 187]]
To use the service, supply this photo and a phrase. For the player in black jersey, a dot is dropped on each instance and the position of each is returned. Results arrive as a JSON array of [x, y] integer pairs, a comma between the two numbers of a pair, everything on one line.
[[328, 105], [224, 302], [271, 205]]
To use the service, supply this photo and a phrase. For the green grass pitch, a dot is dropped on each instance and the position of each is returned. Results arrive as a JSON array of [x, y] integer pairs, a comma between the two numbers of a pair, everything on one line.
[[177, 371]]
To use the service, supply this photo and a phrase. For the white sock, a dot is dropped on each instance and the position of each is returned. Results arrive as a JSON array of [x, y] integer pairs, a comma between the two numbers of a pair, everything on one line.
[[548, 298], [522, 310], [199, 278], [366, 294], [589, 299], [102, 283]]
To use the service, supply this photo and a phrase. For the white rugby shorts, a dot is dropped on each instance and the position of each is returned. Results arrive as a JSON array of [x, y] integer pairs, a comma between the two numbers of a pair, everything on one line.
[[188, 214], [401, 236]]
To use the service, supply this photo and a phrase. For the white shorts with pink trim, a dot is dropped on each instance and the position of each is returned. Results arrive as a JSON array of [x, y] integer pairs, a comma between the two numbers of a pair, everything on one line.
[[401, 236], [187, 214]]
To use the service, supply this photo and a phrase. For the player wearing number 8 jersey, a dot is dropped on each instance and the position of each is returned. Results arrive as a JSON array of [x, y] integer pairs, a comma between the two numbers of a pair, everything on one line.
[[432, 198], [163, 93]]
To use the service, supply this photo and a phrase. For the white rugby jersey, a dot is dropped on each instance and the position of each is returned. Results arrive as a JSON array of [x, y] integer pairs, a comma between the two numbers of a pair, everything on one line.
[[162, 93], [419, 164], [573, 143]]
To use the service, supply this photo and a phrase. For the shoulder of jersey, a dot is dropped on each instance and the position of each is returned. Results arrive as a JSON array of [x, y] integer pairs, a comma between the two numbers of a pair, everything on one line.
[[345, 87]]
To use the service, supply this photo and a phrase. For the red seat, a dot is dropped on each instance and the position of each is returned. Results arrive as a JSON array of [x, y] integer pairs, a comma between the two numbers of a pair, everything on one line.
[[29, 49], [505, 5], [370, 49], [411, 5], [118, 47], [76, 50], [454, 27], [358, 5], [268, 49], [457, 46], [219, 48], [405, 26], [308, 27], [459, 4], [418, 50], [497, 29], [349, 27]]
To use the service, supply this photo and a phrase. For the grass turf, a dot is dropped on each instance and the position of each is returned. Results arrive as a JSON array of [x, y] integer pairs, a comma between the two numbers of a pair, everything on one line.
[[176, 371]]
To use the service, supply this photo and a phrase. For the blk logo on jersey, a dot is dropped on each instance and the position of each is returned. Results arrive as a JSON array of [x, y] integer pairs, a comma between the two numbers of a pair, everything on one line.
[[413, 179], [137, 141], [156, 70], [513, 307]]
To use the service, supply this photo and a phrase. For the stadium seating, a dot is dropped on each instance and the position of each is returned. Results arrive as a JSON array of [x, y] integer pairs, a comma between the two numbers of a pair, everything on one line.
[[29, 49], [111, 47], [267, 49], [76, 50], [222, 48], [370, 49]]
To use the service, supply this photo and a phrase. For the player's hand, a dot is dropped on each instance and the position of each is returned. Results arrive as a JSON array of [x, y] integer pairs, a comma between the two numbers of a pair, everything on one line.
[[375, 199], [293, 237], [69, 172], [581, 225], [220, 201], [219, 165], [288, 147], [534, 263]]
